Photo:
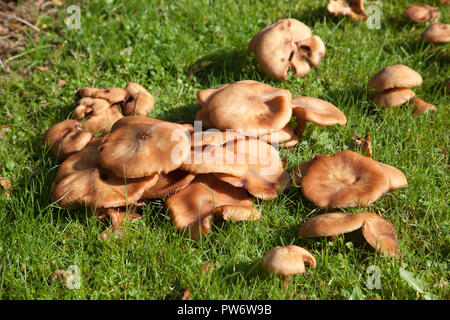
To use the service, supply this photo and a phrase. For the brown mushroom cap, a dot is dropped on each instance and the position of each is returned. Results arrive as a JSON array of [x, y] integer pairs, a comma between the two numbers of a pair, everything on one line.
[[210, 154], [265, 175], [318, 111], [287, 261], [396, 176], [422, 106], [66, 138], [350, 8], [276, 47], [138, 101], [112, 95], [330, 224], [380, 234], [192, 209], [168, 184], [437, 32], [312, 49], [393, 97], [284, 137], [142, 149], [97, 115], [346, 179], [420, 12], [395, 76], [250, 105], [80, 181]]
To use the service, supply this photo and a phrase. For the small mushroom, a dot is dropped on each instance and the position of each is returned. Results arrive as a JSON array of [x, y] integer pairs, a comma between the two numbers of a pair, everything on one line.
[[138, 101], [140, 149], [317, 111], [285, 45], [378, 232], [420, 12], [393, 97], [437, 33], [349, 8], [97, 115], [346, 179], [248, 105], [395, 76], [192, 210], [80, 181], [66, 138], [287, 261], [422, 106]]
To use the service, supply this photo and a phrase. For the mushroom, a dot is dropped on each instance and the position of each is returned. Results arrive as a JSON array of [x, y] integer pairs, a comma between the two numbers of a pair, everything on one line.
[[350, 8], [138, 101], [118, 217], [421, 106], [265, 175], [112, 95], [285, 45], [420, 12], [317, 111], [437, 33], [287, 261], [284, 137], [80, 181], [248, 105], [393, 97], [168, 184], [396, 177], [137, 149], [346, 179], [192, 210], [210, 154], [97, 115], [66, 138], [378, 232], [395, 76]]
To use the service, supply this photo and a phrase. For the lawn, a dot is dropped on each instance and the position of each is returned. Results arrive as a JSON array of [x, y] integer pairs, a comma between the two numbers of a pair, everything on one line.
[[175, 48]]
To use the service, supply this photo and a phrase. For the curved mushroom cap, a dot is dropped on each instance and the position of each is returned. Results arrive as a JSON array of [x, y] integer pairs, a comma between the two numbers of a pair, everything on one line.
[[393, 97], [276, 49], [395, 76], [330, 224], [142, 149], [396, 176], [112, 95], [380, 234], [250, 105], [437, 32], [312, 49], [132, 120], [318, 111], [287, 261], [422, 106], [350, 8], [265, 175], [66, 138], [346, 179], [210, 154], [202, 115], [97, 115], [422, 12], [168, 184], [192, 209], [284, 137], [80, 181], [138, 101]]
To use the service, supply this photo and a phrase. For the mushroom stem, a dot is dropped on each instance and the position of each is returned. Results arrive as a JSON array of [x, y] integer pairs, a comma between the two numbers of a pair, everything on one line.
[[301, 126], [286, 282]]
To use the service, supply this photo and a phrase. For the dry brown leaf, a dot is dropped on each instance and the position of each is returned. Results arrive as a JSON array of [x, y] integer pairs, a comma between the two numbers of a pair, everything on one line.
[[6, 185], [186, 294]]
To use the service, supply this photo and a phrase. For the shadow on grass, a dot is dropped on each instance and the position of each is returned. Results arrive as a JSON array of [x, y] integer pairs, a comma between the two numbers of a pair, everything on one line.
[[181, 114], [311, 16], [224, 67]]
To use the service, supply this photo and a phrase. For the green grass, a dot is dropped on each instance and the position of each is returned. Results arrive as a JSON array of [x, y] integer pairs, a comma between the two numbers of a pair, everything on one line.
[[156, 262]]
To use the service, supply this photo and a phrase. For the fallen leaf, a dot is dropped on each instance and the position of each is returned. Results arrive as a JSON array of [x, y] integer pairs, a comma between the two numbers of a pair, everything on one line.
[[6, 185], [186, 294]]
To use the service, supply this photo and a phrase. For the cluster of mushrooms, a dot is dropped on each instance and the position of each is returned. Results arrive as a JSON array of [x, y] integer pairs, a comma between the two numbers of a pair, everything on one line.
[[115, 157]]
